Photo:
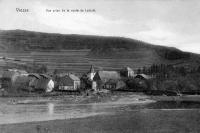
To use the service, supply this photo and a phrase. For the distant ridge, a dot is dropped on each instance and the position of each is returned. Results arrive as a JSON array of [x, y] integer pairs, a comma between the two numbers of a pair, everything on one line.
[[134, 52]]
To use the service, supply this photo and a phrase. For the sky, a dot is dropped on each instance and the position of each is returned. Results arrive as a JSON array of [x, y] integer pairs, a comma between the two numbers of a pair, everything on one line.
[[173, 23]]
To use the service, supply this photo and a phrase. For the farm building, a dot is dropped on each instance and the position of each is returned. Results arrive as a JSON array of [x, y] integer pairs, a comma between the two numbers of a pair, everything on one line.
[[41, 82], [68, 82], [102, 77], [127, 72]]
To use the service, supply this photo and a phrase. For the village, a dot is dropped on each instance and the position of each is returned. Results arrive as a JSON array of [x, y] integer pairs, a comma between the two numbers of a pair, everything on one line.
[[17, 81]]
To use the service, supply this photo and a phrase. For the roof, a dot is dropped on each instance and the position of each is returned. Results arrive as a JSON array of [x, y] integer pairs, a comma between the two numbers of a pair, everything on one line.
[[91, 69], [40, 83], [70, 75], [129, 69], [45, 76], [74, 77], [142, 76], [35, 75], [107, 75]]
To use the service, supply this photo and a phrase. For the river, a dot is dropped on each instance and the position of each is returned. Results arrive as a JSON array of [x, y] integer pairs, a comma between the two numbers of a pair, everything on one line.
[[30, 110]]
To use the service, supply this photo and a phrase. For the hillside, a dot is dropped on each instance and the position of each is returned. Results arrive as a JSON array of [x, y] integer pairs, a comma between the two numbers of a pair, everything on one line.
[[77, 52]]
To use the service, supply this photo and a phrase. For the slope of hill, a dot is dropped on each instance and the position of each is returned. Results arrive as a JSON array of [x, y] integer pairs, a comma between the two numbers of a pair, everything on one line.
[[78, 52]]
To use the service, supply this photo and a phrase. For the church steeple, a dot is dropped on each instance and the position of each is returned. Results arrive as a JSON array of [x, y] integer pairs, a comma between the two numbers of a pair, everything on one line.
[[91, 73], [91, 69]]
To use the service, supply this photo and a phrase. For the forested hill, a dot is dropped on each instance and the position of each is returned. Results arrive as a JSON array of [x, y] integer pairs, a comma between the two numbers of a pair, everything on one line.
[[132, 51]]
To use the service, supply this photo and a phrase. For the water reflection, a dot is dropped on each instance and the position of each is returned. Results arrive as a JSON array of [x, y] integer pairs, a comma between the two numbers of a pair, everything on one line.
[[50, 108]]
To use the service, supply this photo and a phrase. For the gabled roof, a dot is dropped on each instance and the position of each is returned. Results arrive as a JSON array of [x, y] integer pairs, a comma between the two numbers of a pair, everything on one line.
[[107, 75], [35, 75], [143, 76], [45, 76], [74, 77], [40, 83], [70, 75]]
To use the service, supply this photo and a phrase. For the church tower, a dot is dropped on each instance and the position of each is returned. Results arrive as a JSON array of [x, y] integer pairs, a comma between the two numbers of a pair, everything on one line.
[[91, 73]]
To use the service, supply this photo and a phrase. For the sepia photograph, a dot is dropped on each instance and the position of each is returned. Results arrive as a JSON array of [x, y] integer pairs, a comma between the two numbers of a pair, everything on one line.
[[99, 66]]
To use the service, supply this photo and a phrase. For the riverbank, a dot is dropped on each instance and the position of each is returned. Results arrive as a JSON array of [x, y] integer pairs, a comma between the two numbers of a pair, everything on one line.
[[189, 98], [99, 97], [78, 99]]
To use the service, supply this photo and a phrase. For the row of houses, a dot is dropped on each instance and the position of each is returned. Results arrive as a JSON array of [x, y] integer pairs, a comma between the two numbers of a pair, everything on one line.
[[113, 80], [14, 79]]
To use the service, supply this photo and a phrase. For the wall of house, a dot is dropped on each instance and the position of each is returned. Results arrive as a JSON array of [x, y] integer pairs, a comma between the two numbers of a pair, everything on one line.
[[66, 88], [110, 86], [94, 85], [130, 73], [50, 86], [76, 85]]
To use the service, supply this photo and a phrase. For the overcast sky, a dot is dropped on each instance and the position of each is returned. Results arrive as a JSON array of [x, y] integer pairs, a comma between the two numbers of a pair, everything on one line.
[[164, 22]]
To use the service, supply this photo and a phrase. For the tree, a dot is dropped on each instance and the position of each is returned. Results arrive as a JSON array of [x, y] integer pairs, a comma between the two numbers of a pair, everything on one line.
[[139, 71], [182, 71], [55, 72], [198, 69]]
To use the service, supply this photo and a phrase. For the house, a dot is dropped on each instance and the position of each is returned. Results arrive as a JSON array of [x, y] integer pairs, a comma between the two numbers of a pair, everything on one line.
[[127, 72], [103, 78], [68, 82], [41, 82]]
